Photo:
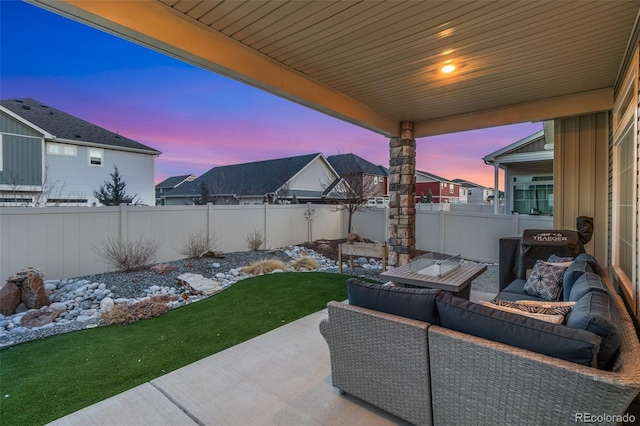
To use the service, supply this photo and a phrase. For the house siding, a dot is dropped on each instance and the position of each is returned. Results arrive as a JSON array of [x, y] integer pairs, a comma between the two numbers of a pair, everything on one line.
[[21, 161], [73, 177]]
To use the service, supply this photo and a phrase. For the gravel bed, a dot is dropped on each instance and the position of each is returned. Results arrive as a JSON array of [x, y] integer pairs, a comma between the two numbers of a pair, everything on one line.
[[132, 284]]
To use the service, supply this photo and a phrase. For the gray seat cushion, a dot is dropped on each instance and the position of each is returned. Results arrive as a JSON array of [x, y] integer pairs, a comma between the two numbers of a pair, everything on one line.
[[515, 291], [595, 312], [414, 303], [559, 341]]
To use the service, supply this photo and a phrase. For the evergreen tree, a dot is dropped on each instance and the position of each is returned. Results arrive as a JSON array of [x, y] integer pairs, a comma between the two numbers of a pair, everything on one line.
[[429, 196], [422, 200], [113, 193], [294, 200]]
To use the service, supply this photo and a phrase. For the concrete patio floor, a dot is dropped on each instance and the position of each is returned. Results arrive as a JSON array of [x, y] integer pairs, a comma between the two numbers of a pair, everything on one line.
[[282, 377]]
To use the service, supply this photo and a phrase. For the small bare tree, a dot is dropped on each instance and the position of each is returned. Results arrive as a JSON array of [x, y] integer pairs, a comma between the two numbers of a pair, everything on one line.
[[254, 240], [353, 192]]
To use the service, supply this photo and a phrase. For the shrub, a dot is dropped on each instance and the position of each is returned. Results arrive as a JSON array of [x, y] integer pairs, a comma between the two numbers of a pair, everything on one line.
[[254, 240], [196, 244], [129, 255], [264, 266], [305, 263], [127, 314]]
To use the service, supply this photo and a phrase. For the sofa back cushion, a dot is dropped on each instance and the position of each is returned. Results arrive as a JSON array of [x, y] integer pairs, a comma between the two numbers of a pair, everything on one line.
[[571, 274], [596, 313], [586, 283], [593, 263], [559, 341], [414, 303]]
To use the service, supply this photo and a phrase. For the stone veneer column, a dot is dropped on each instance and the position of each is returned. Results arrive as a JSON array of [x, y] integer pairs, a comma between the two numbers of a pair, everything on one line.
[[402, 196]]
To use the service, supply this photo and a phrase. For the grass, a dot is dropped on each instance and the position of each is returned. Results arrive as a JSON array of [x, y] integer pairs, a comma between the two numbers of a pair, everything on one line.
[[46, 379]]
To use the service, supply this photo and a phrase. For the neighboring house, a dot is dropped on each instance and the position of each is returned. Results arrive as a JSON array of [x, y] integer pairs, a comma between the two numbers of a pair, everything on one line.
[[305, 178], [51, 158], [528, 166], [473, 193], [365, 178], [443, 190], [170, 183]]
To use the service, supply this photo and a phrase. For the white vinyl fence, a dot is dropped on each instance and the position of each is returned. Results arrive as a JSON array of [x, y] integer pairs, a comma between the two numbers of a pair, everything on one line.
[[63, 241], [475, 236]]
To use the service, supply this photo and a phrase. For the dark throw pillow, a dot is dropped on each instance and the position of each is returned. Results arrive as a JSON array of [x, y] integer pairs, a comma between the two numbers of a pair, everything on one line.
[[414, 303]]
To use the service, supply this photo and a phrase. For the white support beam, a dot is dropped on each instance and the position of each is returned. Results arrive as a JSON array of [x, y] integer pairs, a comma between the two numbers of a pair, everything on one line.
[[562, 106], [156, 26]]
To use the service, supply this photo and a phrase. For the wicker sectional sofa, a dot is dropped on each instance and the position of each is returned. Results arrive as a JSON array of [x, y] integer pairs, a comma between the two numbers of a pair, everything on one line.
[[430, 374]]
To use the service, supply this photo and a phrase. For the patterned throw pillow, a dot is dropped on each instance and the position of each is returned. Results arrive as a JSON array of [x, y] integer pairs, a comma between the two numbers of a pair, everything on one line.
[[535, 307], [545, 280], [515, 308]]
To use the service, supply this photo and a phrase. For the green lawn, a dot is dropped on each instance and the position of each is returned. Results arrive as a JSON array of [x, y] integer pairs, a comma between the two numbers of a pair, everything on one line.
[[43, 380]]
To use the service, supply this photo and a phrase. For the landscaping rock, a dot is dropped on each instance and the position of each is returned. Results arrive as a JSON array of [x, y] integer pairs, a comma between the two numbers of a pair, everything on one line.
[[162, 268], [197, 284], [40, 317], [9, 298], [32, 289], [107, 304]]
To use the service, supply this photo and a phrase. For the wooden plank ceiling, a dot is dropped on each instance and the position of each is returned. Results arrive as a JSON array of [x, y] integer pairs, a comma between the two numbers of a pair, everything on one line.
[[386, 55]]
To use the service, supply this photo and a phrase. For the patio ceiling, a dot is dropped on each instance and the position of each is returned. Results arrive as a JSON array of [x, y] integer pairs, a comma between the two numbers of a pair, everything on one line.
[[376, 63]]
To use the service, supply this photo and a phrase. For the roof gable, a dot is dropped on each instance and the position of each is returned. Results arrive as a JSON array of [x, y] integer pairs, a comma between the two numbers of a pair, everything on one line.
[[353, 164], [255, 178], [65, 126], [173, 181], [432, 176]]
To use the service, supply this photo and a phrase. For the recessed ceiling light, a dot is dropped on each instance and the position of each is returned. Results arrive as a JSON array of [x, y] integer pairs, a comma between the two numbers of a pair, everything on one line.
[[448, 68]]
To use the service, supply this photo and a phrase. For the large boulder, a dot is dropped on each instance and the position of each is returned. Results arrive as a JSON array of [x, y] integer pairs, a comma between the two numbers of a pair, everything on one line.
[[33, 295], [9, 298]]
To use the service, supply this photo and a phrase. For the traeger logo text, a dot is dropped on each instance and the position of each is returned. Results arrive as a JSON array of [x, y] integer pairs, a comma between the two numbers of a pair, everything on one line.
[[550, 236]]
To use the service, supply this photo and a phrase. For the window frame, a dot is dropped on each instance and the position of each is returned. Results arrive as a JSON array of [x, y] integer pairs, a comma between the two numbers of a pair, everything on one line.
[[625, 123], [62, 147], [101, 151]]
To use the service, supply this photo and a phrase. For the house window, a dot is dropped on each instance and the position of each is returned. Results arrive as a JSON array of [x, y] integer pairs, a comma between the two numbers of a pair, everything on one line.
[[533, 195], [624, 227], [469, 192], [450, 188], [95, 156], [623, 204], [62, 149]]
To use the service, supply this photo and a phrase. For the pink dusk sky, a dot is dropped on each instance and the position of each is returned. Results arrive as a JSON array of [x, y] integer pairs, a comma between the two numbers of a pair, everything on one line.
[[198, 119]]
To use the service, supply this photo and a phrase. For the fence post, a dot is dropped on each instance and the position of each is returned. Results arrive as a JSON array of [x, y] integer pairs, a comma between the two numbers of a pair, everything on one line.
[[124, 223], [210, 228], [266, 208], [516, 224], [442, 231]]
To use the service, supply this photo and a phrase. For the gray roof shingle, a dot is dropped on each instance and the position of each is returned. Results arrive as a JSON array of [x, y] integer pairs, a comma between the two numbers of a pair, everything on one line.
[[255, 178], [66, 126], [172, 181], [353, 164]]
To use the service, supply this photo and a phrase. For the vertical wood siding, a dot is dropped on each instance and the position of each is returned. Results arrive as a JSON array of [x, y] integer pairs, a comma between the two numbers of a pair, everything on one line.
[[21, 161]]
